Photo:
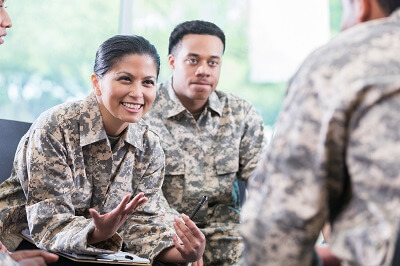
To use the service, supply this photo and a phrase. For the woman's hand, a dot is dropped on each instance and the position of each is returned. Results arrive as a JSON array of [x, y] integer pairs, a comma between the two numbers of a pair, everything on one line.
[[193, 240], [107, 225]]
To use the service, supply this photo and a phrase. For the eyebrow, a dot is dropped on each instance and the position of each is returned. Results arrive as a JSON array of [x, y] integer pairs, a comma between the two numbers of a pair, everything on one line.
[[129, 74], [197, 55]]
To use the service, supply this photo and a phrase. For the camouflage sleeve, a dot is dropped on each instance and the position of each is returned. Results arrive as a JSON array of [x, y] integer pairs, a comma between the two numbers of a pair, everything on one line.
[[146, 233], [6, 260], [50, 211], [251, 143], [372, 215]]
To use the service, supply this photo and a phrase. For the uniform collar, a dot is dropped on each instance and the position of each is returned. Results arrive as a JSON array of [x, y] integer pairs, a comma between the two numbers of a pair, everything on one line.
[[134, 134], [92, 130], [213, 102], [91, 123]]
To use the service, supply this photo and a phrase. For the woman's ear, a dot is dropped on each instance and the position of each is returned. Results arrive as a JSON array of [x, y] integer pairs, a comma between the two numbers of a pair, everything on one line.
[[96, 84]]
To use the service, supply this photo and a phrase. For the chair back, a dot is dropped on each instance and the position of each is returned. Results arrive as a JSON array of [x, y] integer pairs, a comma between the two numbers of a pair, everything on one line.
[[396, 257], [11, 133]]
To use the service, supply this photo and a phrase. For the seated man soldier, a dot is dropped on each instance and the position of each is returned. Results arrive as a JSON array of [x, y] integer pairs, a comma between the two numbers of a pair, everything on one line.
[[211, 139]]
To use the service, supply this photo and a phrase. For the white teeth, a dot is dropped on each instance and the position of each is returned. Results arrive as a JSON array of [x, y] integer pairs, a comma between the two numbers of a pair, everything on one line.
[[132, 106]]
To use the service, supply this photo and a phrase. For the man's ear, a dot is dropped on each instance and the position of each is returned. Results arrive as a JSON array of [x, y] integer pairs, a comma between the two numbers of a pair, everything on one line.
[[364, 10], [171, 61], [95, 84]]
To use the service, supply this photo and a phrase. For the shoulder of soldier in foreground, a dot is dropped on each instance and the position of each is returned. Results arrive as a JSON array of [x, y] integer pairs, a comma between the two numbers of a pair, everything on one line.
[[355, 40]]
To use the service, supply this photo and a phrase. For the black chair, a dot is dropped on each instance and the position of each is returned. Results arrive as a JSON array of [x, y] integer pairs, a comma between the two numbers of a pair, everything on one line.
[[10, 135], [242, 191], [396, 256]]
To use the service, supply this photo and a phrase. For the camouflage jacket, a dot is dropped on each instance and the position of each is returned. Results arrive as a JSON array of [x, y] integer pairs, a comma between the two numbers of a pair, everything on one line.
[[334, 156], [64, 166], [207, 156]]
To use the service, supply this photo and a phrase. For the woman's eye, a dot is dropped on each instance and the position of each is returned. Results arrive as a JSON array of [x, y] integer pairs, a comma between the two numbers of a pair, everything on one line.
[[149, 82], [124, 78]]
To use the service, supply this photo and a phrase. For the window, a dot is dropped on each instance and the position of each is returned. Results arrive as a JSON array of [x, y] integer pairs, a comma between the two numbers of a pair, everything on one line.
[[49, 52]]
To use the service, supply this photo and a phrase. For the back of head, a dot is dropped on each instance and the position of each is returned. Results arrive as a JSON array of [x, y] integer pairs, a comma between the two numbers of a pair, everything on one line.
[[194, 27], [389, 5], [115, 48]]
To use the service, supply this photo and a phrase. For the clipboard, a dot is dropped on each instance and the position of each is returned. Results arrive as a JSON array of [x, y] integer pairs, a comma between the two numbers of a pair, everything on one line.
[[121, 257]]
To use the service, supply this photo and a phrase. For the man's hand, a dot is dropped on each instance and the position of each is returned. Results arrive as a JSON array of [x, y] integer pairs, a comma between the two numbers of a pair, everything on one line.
[[193, 240], [326, 256], [33, 257], [108, 224], [198, 263]]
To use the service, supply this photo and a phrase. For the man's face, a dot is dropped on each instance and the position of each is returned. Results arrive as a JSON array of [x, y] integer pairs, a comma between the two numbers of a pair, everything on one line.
[[196, 65], [350, 14]]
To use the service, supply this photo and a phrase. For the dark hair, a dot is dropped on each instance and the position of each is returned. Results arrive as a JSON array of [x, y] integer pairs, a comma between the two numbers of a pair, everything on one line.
[[114, 49], [194, 27], [389, 5]]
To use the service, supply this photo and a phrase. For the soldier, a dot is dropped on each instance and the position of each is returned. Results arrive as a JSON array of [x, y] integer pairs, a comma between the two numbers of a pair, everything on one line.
[[5, 21], [77, 167], [335, 153], [210, 138]]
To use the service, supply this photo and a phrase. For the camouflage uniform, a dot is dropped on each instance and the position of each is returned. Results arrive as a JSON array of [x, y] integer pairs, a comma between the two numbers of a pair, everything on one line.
[[64, 166], [334, 156], [206, 157], [6, 260]]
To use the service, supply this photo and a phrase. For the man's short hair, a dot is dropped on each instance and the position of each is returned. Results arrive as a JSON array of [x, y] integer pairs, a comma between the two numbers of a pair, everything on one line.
[[389, 5], [194, 27]]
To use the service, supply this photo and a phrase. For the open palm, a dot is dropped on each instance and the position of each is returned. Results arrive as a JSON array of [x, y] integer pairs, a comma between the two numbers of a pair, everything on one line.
[[106, 225]]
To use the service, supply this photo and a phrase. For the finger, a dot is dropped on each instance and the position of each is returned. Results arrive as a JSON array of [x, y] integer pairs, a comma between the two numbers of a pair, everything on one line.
[[200, 262], [183, 232], [26, 254], [134, 203], [37, 261], [49, 257], [192, 227], [121, 207], [177, 243], [3, 248], [95, 215]]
